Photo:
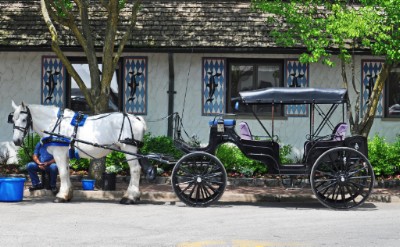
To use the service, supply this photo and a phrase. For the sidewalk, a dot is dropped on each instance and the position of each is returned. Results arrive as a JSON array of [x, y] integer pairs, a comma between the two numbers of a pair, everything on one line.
[[161, 191]]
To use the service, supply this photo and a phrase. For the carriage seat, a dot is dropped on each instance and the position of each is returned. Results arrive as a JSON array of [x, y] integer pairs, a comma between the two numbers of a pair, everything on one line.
[[314, 148], [339, 132], [245, 132]]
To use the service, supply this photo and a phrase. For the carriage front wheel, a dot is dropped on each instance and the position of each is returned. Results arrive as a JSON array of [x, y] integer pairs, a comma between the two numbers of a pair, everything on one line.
[[342, 178], [199, 179]]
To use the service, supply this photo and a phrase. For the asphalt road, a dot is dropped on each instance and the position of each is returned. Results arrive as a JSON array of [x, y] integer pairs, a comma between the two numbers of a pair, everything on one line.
[[105, 223]]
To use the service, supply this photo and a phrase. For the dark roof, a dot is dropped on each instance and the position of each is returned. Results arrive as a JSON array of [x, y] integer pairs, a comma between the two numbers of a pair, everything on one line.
[[165, 25], [294, 96]]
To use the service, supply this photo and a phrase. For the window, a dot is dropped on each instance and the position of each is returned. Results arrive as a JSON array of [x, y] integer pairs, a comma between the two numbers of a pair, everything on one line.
[[392, 108], [254, 74], [77, 102]]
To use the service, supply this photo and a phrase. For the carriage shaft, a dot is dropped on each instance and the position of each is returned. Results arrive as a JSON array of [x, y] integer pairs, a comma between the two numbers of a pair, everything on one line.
[[155, 157]]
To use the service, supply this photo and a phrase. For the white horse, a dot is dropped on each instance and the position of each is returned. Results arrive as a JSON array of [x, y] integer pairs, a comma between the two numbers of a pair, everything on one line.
[[113, 129]]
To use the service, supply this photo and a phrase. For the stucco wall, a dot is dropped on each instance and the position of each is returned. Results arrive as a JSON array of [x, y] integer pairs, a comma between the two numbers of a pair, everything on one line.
[[20, 81]]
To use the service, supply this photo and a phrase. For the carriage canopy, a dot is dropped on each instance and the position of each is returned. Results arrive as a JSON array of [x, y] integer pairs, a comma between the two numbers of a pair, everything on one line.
[[294, 96]]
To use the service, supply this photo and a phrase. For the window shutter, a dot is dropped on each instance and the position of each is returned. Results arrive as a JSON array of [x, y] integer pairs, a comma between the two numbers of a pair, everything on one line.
[[296, 75], [135, 85], [213, 86], [53, 81], [369, 73]]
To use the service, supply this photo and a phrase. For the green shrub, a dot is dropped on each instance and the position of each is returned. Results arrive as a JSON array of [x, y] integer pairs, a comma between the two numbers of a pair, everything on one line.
[[236, 163], [161, 145], [79, 165], [24, 154], [284, 153], [384, 156], [116, 161]]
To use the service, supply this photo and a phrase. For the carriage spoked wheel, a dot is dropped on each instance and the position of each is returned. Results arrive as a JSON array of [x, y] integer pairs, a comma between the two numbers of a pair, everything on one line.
[[342, 178], [199, 179]]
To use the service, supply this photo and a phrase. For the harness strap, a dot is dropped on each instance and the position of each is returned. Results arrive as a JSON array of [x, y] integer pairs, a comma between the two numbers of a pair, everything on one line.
[[60, 117], [129, 141], [28, 126], [79, 117], [25, 130]]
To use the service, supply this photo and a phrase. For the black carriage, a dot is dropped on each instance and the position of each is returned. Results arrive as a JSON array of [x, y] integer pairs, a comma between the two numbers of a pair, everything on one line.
[[337, 166]]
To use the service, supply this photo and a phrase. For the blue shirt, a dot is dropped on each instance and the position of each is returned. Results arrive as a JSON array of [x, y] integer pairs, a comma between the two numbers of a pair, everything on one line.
[[42, 153]]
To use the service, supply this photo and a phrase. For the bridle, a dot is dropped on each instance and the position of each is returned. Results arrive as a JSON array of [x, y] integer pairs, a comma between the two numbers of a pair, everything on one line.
[[28, 125]]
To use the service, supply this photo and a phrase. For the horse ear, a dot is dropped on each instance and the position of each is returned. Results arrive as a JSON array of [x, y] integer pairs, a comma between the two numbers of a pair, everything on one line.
[[23, 104], [14, 105]]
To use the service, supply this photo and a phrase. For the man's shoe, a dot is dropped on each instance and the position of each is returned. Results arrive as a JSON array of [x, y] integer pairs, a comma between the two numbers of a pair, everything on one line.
[[54, 190], [36, 187]]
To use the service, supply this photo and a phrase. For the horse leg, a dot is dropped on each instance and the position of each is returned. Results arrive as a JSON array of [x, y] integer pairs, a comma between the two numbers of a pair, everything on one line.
[[65, 193], [132, 194]]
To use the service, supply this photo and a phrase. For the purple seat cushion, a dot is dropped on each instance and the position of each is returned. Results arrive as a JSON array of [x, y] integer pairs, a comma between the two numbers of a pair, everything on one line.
[[245, 133]]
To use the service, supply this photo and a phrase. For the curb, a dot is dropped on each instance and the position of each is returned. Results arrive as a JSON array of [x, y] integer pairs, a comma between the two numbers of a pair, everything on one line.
[[228, 196], [247, 190]]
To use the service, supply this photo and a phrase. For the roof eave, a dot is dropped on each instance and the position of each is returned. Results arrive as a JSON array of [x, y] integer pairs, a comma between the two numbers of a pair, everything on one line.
[[174, 49]]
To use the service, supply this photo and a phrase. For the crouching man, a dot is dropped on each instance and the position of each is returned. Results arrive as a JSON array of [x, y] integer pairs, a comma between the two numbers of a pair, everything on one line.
[[42, 161]]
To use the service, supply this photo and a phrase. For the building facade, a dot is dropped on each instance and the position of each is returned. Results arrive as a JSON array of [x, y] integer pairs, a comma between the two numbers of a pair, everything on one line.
[[189, 57]]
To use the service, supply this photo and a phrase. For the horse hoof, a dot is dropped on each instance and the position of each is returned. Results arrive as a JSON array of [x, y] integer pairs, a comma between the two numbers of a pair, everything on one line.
[[128, 201], [60, 200]]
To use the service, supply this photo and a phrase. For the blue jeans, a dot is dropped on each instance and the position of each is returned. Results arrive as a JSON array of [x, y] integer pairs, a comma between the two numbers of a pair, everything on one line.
[[33, 169]]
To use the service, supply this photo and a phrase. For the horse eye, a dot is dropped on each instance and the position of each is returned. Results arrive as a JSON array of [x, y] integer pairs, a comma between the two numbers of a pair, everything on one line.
[[24, 120]]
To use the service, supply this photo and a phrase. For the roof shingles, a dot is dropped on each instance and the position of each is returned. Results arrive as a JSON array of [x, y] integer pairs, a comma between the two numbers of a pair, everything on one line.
[[161, 23]]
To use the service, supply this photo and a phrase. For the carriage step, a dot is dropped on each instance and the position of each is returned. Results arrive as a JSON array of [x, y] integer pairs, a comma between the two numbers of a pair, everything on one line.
[[292, 166], [293, 170]]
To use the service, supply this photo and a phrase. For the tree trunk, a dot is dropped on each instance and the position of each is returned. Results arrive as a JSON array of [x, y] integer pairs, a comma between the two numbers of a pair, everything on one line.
[[96, 169], [100, 102], [363, 127], [369, 117], [97, 166]]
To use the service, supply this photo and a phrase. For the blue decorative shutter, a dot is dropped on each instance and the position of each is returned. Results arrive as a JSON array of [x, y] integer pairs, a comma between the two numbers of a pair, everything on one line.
[[296, 75], [369, 73], [53, 81], [213, 94], [135, 85]]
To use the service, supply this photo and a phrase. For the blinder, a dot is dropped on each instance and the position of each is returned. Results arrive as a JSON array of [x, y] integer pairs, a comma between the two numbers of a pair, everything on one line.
[[10, 118]]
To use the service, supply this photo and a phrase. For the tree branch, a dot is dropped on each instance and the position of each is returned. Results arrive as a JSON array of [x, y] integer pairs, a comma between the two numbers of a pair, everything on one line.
[[104, 4], [90, 51], [135, 10], [109, 44], [368, 119], [56, 48], [50, 10]]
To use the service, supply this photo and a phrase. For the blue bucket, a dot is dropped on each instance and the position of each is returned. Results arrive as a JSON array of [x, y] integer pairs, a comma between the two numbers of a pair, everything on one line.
[[11, 189], [88, 184]]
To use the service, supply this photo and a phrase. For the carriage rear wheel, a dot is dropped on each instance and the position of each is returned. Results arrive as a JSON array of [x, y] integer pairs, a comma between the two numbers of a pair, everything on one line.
[[199, 179], [342, 178]]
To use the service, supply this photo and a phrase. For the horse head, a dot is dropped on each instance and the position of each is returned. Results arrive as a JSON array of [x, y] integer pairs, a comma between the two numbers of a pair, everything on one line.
[[22, 122]]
